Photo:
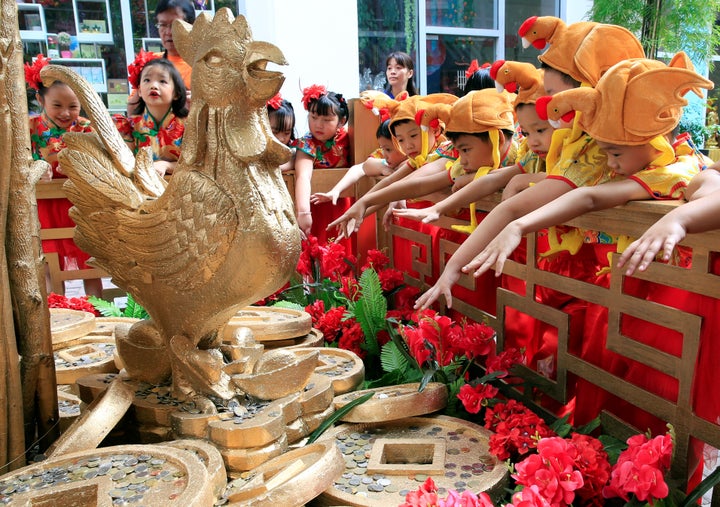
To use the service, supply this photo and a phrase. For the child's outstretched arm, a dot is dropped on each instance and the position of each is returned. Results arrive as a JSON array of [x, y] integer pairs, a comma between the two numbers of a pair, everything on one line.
[[572, 204], [700, 215], [351, 177], [303, 182], [497, 219], [479, 188]]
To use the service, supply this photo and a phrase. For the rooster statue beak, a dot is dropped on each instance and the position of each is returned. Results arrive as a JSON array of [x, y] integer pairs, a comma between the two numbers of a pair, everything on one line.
[[264, 83]]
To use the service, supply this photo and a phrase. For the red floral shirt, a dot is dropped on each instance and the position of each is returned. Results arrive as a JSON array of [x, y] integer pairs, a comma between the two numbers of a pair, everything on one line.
[[142, 130], [46, 138], [332, 153]]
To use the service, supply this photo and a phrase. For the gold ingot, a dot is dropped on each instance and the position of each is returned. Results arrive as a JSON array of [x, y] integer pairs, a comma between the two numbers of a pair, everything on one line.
[[145, 359], [98, 420], [313, 339], [294, 478], [290, 406], [154, 414], [318, 395], [328, 360], [394, 402], [242, 460], [270, 323], [261, 429], [210, 457], [93, 385], [278, 373], [187, 425], [315, 419], [296, 430]]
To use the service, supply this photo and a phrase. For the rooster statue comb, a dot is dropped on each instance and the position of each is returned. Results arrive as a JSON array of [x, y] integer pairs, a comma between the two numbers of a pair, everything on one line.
[[583, 50], [220, 236], [633, 103], [518, 77]]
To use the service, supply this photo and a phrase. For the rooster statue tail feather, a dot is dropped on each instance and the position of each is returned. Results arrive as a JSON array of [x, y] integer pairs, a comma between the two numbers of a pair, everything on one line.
[[219, 236]]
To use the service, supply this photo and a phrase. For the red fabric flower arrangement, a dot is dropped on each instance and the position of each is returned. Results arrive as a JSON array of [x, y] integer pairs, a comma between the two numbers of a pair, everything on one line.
[[80, 303], [32, 72], [275, 102], [136, 67], [312, 92]]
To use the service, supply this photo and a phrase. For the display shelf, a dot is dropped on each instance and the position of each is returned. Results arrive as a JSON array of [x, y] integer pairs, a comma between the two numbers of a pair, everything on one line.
[[92, 19], [31, 21], [92, 69]]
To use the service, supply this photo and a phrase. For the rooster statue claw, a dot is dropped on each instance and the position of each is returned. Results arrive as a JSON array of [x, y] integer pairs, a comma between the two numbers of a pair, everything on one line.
[[182, 248]]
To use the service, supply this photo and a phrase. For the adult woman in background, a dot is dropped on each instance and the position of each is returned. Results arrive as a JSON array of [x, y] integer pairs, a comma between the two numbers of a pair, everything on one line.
[[399, 70]]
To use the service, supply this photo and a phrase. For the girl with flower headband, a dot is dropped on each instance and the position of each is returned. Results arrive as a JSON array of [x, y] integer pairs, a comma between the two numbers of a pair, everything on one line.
[[60, 114], [282, 123], [324, 146], [158, 120]]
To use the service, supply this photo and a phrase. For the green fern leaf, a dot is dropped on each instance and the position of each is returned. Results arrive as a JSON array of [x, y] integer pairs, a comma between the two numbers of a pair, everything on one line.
[[106, 308], [134, 310], [392, 359], [371, 309], [289, 304]]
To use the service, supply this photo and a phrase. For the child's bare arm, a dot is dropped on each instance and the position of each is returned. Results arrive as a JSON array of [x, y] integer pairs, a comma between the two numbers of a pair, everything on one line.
[[521, 182], [303, 182], [349, 179]]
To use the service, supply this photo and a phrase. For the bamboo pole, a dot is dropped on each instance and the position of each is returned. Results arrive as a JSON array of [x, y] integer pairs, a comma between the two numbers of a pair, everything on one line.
[[12, 441], [24, 260]]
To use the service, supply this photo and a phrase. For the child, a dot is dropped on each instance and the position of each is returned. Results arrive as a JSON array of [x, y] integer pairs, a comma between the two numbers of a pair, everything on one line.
[[477, 77], [382, 162], [534, 146], [282, 122], [399, 70], [158, 121], [324, 146], [60, 114], [418, 131]]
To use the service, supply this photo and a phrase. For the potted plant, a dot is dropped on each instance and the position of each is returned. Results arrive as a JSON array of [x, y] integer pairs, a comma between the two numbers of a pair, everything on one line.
[[63, 39]]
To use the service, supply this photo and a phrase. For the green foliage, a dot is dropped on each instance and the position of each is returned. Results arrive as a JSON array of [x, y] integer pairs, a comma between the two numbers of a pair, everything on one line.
[[392, 359], [666, 27], [613, 447], [107, 309], [290, 305], [561, 426], [370, 310]]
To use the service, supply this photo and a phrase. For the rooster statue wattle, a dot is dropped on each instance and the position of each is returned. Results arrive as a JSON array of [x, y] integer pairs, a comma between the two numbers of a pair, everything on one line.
[[219, 236]]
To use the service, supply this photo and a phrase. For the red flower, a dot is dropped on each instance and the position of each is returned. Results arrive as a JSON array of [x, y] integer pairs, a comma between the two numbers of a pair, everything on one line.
[[352, 337], [472, 397], [275, 102], [376, 260], [517, 429], [312, 92], [390, 279], [32, 72], [405, 300], [329, 324], [432, 339], [477, 340], [505, 360], [316, 311], [80, 303], [530, 497], [474, 66], [349, 287], [136, 67]]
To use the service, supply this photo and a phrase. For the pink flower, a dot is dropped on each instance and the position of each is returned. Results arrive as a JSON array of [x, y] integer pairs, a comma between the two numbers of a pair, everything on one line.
[[530, 497]]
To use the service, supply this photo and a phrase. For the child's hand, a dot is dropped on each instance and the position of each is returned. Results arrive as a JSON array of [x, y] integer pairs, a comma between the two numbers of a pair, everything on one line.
[[48, 174], [304, 220], [388, 216], [663, 234], [324, 197], [496, 252], [426, 215], [164, 167], [448, 278], [349, 221]]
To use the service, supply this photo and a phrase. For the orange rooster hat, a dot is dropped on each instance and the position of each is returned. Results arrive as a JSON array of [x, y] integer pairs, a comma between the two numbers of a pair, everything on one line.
[[636, 102], [583, 50], [521, 77]]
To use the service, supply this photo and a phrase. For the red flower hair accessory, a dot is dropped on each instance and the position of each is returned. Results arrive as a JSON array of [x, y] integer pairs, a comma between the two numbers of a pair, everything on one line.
[[136, 67], [275, 102], [312, 92], [32, 72], [474, 66]]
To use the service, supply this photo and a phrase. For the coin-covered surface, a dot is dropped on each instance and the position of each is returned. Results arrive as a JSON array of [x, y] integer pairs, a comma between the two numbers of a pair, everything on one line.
[[386, 461], [394, 402], [343, 367], [270, 323], [119, 475]]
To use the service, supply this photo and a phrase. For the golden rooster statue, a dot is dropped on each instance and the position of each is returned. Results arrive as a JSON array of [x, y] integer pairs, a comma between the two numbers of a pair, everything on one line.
[[221, 235]]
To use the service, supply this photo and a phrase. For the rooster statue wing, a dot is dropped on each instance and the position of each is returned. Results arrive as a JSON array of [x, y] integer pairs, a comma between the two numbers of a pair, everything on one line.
[[220, 236]]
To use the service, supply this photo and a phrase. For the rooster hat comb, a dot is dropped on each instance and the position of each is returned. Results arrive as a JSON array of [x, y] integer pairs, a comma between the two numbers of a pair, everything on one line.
[[381, 104], [636, 102], [518, 77], [136, 67], [583, 50]]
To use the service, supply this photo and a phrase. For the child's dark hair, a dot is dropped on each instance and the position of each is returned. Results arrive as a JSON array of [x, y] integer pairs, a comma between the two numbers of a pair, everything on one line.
[[566, 78], [328, 104], [383, 130], [404, 60], [186, 6], [484, 136], [179, 103], [396, 123], [284, 115], [479, 80]]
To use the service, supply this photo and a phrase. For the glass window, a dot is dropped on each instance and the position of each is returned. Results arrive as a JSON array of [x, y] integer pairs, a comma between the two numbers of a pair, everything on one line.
[[461, 13], [517, 11], [448, 56]]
